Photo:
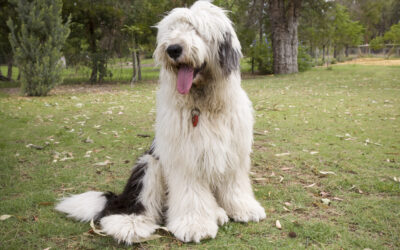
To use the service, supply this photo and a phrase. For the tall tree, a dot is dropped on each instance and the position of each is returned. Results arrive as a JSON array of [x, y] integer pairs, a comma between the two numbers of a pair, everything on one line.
[[95, 28], [37, 45], [6, 55], [139, 17], [284, 16]]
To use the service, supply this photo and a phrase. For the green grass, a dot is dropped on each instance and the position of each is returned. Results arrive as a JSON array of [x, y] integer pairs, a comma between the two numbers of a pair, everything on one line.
[[344, 120]]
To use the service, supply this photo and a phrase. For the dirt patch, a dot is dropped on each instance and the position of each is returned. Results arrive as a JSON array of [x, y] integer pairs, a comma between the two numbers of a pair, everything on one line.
[[374, 61]]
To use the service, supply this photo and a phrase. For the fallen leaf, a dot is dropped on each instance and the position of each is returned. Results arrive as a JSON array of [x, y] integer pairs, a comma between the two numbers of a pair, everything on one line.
[[324, 194], [5, 216], [292, 235], [278, 224], [88, 140], [311, 185], [314, 152], [280, 178], [326, 201], [35, 146], [260, 180], [104, 163], [288, 204], [87, 154], [95, 230], [337, 199], [327, 172], [282, 154], [286, 169]]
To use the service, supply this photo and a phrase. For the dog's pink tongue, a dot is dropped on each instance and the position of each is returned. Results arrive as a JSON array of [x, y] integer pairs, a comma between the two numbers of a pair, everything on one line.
[[185, 79]]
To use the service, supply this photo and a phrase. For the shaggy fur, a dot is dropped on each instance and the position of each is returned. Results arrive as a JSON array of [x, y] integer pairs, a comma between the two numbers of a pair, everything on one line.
[[195, 175]]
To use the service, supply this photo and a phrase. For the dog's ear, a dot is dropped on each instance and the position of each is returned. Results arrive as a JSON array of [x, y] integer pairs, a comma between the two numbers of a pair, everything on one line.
[[228, 56]]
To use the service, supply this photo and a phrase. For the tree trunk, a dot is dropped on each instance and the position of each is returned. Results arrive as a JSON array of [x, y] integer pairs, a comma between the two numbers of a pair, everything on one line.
[[260, 21], [252, 65], [284, 21], [323, 53], [327, 56], [133, 79], [335, 52], [93, 50], [9, 70], [139, 67], [93, 75]]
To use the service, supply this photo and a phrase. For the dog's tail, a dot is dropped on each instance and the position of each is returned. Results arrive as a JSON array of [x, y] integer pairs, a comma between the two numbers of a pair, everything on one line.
[[83, 207], [95, 205]]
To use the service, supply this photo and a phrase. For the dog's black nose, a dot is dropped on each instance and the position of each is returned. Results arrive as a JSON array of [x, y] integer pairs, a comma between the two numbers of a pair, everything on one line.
[[174, 51]]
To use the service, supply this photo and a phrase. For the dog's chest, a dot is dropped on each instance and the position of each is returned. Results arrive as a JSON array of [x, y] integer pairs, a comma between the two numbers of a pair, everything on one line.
[[198, 140]]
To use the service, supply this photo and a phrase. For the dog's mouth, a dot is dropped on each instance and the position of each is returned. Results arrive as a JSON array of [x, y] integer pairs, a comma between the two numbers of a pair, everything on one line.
[[186, 76]]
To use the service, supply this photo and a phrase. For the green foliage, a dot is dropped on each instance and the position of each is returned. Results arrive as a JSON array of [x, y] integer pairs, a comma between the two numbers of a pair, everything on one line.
[[304, 60], [95, 34], [346, 31], [263, 56], [393, 35], [37, 44], [6, 12], [377, 43]]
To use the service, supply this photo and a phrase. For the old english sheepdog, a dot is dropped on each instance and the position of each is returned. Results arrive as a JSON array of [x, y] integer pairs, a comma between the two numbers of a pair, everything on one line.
[[196, 174]]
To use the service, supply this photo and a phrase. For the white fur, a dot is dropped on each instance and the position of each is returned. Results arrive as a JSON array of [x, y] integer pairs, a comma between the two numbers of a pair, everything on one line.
[[203, 169], [83, 207], [128, 228]]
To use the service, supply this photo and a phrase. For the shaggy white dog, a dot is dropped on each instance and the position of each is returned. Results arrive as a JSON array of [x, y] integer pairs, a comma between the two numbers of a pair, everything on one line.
[[195, 174]]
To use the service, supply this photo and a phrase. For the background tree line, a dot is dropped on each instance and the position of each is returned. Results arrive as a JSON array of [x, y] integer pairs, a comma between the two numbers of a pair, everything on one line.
[[278, 36]]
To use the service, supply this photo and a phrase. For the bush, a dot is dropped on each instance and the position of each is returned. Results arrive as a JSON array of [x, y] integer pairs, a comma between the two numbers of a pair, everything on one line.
[[377, 43], [304, 60], [263, 56], [37, 44]]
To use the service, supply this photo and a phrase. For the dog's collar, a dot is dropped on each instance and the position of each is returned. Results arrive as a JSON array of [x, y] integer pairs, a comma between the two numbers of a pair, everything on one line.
[[195, 116]]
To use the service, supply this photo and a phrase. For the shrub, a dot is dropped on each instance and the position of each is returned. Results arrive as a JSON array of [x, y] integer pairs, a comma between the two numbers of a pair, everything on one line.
[[263, 56], [304, 60], [37, 44]]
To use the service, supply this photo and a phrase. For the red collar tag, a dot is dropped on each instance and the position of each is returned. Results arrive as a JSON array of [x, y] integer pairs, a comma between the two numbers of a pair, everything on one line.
[[195, 117]]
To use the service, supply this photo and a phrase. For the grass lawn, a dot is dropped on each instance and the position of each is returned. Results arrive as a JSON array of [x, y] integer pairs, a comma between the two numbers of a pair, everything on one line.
[[323, 134]]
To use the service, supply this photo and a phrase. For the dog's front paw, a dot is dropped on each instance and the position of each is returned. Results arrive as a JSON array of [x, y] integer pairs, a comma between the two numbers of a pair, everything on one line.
[[191, 228], [250, 211], [222, 217]]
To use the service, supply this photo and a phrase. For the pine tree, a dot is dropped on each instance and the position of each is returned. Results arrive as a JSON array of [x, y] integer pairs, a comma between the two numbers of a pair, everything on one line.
[[37, 44]]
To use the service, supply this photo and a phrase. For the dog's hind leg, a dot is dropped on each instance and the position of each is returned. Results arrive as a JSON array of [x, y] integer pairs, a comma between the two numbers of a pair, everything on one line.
[[136, 213], [133, 214]]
